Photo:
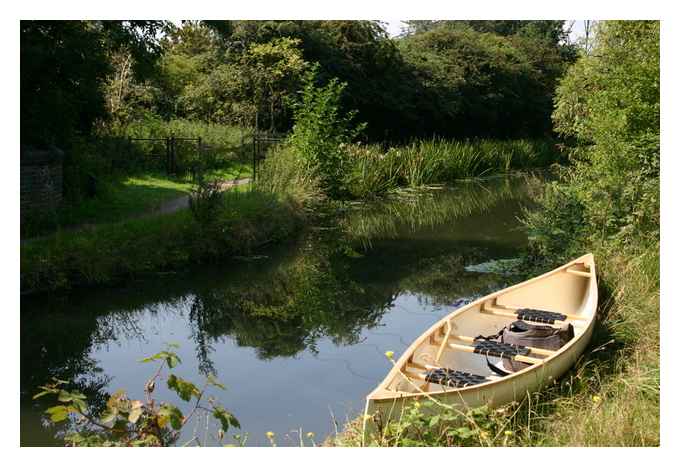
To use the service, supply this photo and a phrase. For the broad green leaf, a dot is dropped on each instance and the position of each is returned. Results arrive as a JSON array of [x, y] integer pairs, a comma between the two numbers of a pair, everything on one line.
[[81, 405], [464, 432], [135, 414], [65, 396], [170, 358], [185, 389], [109, 417], [42, 393], [58, 413], [170, 413], [434, 420], [225, 418], [115, 399]]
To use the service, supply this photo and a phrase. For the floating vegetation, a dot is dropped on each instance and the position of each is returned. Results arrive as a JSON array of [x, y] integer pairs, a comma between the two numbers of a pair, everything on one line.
[[505, 267]]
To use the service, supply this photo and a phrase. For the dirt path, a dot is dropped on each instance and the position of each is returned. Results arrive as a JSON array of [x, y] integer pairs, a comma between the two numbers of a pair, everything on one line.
[[182, 202], [168, 207]]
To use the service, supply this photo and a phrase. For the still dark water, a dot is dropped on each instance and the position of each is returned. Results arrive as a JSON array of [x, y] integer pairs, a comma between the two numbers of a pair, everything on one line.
[[297, 333]]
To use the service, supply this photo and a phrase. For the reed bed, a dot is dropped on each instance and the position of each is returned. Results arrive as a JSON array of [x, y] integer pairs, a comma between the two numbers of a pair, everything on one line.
[[373, 170]]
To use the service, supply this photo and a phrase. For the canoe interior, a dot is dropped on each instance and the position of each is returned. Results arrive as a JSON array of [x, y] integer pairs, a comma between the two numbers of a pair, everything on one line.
[[568, 290]]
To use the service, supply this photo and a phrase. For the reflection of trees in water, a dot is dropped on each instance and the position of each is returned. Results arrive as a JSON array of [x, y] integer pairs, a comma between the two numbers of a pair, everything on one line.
[[60, 343], [443, 280], [310, 298], [54, 346]]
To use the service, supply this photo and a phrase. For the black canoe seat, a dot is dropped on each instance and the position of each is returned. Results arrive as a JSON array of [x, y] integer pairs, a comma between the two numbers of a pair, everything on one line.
[[499, 349], [454, 378], [540, 316]]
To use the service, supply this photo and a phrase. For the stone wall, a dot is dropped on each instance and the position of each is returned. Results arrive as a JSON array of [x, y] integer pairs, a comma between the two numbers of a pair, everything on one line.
[[41, 180]]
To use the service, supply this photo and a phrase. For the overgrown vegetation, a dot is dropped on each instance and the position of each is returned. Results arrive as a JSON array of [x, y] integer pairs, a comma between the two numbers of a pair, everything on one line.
[[371, 170], [321, 155], [455, 79], [609, 103]]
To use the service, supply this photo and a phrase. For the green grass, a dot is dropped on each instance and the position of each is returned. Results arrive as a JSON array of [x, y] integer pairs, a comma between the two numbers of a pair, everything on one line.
[[245, 219], [236, 170], [124, 197]]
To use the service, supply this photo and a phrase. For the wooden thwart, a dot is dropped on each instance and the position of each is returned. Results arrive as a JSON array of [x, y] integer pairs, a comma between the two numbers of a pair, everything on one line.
[[578, 273], [442, 346], [505, 311]]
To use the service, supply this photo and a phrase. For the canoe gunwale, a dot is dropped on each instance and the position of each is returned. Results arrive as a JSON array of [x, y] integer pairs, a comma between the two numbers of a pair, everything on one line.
[[381, 393]]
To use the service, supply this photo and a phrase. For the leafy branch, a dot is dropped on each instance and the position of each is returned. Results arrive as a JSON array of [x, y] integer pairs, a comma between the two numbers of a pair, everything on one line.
[[127, 422]]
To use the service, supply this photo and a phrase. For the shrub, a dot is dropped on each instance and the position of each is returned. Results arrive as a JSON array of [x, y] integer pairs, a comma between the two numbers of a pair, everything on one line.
[[608, 103], [321, 133], [127, 422]]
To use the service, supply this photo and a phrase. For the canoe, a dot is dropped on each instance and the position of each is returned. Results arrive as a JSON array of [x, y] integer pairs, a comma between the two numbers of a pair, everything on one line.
[[567, 294]]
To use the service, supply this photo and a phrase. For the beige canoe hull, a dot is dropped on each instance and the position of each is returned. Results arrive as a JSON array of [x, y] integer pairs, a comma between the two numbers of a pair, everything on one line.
[[570, 289]]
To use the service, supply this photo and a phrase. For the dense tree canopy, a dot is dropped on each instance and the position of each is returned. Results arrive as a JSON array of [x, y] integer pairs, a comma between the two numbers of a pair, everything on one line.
[[64, 68], [449, 78]]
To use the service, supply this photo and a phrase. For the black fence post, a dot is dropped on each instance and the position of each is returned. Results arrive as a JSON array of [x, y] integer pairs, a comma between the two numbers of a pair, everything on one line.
[[129, 161], [254, 154], [167, 154], [173, 154]]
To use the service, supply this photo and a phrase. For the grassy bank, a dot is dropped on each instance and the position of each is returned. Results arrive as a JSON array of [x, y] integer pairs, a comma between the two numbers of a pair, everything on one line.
[[241, 221]]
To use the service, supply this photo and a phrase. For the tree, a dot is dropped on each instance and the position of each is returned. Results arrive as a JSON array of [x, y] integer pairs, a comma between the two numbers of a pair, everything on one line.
[[608, 105], [482, 83], [64, 67]]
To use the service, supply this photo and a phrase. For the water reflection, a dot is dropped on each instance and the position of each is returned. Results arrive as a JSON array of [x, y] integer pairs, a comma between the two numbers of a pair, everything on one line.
[[314, 317]]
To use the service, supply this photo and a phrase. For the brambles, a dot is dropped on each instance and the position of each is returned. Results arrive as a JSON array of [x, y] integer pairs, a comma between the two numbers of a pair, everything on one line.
[[127, 422]]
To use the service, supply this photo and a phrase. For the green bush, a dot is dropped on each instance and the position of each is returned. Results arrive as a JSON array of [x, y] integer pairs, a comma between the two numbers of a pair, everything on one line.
[[608, 202], [127, 422], [608, 103], [427, 423], [321, 133]]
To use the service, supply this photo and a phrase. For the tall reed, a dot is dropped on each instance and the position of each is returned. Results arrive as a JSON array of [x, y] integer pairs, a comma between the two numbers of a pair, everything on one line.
[[372, 170]]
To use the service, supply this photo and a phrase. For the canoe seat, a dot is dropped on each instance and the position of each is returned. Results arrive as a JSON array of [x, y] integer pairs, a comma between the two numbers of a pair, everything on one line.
[[454, 378], [499, 349], [540, 316]]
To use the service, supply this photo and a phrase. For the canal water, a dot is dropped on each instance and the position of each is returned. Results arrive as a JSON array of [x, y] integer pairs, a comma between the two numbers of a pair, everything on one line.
[[296, 333]]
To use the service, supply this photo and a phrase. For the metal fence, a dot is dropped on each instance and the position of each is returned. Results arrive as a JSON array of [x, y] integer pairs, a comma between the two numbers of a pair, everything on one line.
[[175, 154]]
